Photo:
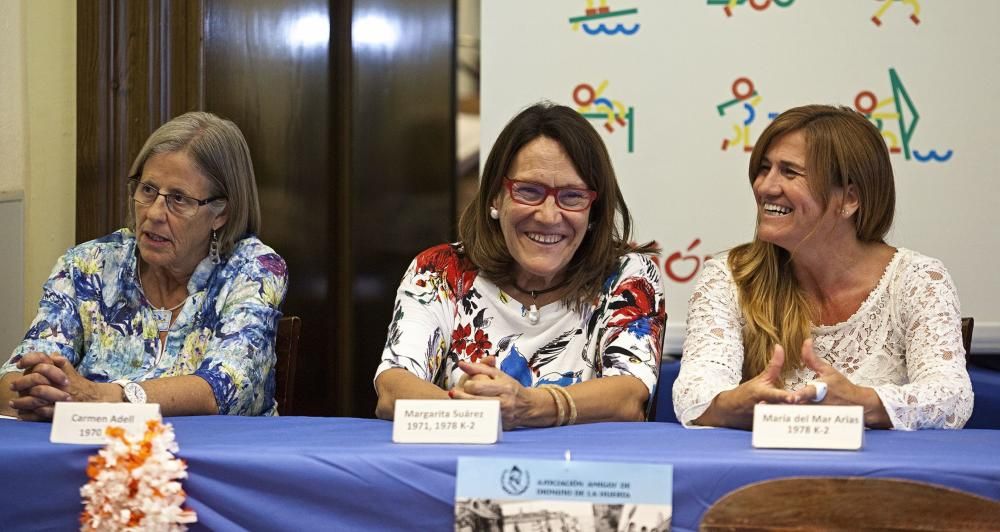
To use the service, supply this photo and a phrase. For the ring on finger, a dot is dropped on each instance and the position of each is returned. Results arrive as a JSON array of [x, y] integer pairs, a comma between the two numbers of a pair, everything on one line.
[[821, 388]]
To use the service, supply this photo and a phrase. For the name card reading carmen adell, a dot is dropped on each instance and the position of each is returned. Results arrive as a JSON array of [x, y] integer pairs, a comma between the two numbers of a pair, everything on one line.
[[808, 427], [446, 421], [85, 423]]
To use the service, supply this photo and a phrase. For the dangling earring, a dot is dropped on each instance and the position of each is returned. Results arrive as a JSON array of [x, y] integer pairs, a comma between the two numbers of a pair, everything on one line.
[[213, 249], [494, 213]]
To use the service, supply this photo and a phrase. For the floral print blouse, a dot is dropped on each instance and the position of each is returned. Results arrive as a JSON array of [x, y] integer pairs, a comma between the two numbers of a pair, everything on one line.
[[93, 312], [446, 312]]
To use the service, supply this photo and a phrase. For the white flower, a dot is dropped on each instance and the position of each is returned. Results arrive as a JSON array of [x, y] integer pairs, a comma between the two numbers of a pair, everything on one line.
[[134, 484]]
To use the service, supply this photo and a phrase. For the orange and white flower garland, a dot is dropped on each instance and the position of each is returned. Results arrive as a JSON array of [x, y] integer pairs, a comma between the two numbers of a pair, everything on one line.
[[134, 484]]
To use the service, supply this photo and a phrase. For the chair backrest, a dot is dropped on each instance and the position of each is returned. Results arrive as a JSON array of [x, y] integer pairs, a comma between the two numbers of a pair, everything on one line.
[[663, 401], [850, 503], [286, 347], [967, 325]]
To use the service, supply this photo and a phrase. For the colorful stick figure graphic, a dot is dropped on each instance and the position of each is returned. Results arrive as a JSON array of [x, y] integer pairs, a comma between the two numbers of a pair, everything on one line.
[[867, 103], [886, 4], [904, 112], [600, 13], [744, 93], [758, 5], [592, 105]]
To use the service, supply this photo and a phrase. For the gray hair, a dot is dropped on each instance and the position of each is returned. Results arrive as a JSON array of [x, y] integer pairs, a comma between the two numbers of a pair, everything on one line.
[[217, 147]]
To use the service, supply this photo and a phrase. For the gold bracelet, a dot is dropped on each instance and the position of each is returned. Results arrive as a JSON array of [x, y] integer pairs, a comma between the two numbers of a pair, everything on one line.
[[570, 402], [560, 411]]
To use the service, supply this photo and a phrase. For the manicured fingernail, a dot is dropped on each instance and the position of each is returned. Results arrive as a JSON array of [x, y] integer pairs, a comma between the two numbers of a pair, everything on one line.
[[451, 394]]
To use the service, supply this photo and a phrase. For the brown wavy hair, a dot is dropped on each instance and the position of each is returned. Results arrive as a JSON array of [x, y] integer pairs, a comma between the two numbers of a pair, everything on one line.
[[842, 148], [610, 222]]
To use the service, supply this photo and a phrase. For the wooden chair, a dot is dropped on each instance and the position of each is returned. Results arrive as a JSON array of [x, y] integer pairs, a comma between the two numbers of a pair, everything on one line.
[[850, 503], [967, 325], [286, 347]]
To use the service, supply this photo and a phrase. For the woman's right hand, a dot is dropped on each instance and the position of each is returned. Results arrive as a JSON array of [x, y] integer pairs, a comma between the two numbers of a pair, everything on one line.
[[734, 408], [39, 387]]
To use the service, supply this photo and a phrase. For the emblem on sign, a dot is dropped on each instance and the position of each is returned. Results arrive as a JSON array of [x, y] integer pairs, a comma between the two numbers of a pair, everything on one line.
[[515, 481]]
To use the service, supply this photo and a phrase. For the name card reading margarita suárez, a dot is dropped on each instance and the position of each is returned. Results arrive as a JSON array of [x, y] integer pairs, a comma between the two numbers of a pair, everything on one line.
[[85, 423], [808, 427], [446, 421]]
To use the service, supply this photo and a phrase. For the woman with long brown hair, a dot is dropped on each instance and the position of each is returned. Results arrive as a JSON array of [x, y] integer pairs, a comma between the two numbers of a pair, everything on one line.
[[818, 307]]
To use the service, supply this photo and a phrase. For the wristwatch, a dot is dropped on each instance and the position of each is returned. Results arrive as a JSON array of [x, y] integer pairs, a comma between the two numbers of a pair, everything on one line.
[[134, 393]]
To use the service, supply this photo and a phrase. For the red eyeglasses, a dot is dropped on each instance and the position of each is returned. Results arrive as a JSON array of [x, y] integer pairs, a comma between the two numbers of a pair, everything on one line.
[[567, 198]]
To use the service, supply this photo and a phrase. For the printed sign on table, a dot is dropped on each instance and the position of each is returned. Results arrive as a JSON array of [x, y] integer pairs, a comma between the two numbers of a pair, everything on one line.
[[506, 494]]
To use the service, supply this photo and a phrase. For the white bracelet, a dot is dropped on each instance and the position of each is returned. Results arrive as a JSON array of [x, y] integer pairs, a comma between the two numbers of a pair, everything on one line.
[[820, 390]]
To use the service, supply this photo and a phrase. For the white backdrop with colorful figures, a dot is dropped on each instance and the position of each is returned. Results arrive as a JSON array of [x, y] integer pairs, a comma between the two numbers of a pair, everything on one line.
[[680, 90]]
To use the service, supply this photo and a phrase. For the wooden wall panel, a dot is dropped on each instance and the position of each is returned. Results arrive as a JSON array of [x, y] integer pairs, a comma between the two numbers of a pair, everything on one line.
[[268, 70], [138, 65], [402, 160]]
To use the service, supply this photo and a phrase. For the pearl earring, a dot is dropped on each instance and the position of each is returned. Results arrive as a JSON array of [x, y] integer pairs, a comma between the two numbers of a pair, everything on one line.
[[494, 213]]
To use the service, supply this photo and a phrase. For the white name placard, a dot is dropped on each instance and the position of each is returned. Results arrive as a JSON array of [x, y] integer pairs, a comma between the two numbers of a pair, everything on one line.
[[84, 423], [446, 421], [808, 427]]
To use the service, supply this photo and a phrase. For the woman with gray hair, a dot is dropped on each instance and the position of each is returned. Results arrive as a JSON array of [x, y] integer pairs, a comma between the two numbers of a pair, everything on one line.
[[179, 308]]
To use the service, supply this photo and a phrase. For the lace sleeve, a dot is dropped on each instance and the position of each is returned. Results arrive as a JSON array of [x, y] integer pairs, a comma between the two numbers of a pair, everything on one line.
[[938, 393], [712, 360]]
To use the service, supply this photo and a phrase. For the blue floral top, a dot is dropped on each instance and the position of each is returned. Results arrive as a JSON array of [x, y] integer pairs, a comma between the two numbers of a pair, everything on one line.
[[93, 312]]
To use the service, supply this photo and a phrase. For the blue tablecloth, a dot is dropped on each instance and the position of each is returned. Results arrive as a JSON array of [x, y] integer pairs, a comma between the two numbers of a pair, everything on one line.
[[346, 474], [985, 387]]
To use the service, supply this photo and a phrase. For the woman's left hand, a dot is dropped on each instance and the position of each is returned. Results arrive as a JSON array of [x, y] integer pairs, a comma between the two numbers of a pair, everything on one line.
[[48, 379], [839, 390], [518, 405]]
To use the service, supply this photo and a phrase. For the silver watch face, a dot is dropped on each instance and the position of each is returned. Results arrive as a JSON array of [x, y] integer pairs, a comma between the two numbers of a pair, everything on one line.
[[135, 393]]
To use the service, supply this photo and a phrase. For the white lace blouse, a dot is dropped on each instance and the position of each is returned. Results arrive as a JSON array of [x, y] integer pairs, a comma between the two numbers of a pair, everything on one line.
[[904, 341]]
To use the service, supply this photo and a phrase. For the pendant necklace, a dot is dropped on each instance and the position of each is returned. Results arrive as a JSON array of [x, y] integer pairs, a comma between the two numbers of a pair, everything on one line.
[[533, 314], [162, 315]]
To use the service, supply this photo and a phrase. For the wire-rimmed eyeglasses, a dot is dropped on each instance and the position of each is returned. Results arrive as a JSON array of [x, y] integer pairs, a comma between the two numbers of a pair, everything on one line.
[[177, 203]]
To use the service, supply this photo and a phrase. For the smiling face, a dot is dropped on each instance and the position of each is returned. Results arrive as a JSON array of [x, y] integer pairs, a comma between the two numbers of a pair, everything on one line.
[[542, 239], [788, 210], [166, 240]]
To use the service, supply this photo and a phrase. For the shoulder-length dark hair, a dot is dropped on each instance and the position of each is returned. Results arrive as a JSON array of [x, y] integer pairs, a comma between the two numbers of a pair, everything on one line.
[[610, 222]]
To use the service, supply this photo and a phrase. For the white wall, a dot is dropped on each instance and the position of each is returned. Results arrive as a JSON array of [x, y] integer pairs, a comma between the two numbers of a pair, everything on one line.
[[37, 151], [692, 195]]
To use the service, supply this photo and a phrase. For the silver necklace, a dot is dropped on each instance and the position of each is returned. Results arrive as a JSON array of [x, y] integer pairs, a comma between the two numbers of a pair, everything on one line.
[[162, 315]]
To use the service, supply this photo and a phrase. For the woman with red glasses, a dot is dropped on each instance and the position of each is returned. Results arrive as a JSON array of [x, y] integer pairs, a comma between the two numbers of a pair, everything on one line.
[[544, 304]]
